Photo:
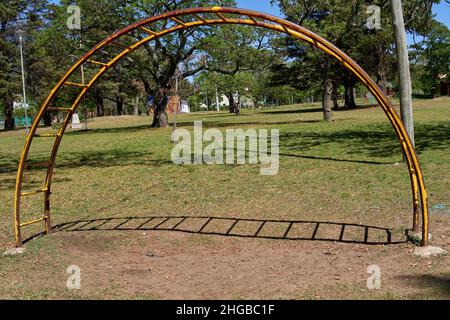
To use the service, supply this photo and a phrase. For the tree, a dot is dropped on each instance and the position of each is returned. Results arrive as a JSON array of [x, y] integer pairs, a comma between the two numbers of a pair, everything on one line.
[[238, 57], [430, 57], [344, 23], [403, 68], [420, 21], [167, 54], [334, 20], [15, 16]]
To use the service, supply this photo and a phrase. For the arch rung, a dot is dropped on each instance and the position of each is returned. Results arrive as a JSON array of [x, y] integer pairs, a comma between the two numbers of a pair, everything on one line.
[[178, 21], [47, 135], [199, 17], [74, 84], [120, 45], [150, 32], [33, 222], [221, 16], [253, 19], [98, 63], [25, 194]]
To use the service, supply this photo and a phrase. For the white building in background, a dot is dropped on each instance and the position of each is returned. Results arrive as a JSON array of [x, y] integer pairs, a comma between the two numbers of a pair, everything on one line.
[[184, 107], [224, 102]]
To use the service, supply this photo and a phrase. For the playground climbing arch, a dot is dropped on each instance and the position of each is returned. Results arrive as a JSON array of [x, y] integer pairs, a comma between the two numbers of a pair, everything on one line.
[[118, 46]]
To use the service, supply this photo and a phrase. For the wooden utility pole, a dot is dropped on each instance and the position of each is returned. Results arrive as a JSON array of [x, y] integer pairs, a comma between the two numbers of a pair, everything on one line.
[[403, 67]]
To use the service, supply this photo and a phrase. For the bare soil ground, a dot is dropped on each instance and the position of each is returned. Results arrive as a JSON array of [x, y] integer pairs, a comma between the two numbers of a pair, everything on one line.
[[176, 265]]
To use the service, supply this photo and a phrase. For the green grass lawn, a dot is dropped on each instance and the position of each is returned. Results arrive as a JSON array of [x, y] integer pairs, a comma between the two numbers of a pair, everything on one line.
[[348, 171]]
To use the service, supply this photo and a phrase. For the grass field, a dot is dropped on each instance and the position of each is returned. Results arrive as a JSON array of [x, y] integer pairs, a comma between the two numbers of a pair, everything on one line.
[[342, 183]]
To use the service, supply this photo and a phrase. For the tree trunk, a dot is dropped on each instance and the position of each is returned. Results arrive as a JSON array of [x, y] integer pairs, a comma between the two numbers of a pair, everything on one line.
[[9, 114], [327, 100], [160, 117], [335, 97], [350, 95], [403, 68], [231, 100], [234, 105], [119, 105], [99, 102], [136, 105]]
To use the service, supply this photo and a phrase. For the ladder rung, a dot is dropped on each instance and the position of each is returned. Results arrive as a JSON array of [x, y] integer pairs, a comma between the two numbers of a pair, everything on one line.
[[253, 19], [97, 63], [32, 222], [38, 165], [285, 28], [146, 30], [47, 135], [200, 17], [178, 21], [59, 109], [120, 45], [221, 16], [33, 192], [73, 84]]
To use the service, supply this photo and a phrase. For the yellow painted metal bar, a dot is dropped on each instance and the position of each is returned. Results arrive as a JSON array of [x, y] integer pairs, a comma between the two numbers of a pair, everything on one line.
[[32, 222], [117, 44], [147, 30], [253, 19], [178, 21], [221, 16], [73, 84], [47, 135], [32, 193], [267, 21], [97, 63], [200, 18]]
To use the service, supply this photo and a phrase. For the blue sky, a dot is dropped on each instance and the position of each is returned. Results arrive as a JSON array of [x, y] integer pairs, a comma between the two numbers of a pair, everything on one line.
[[259, 5]]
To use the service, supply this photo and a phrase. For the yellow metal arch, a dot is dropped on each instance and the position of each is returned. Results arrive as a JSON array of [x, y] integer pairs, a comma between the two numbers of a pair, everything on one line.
[[184, 19]]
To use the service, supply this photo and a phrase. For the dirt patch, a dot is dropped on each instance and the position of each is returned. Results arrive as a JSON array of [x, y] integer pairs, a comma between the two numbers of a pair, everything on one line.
[[173, 265]]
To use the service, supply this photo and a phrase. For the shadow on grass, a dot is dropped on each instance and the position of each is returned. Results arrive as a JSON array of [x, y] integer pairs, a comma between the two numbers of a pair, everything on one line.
[[214, 124], [379, 141], [97, 159], [243, 228], [293, 111], [376, 141], [318, 110]]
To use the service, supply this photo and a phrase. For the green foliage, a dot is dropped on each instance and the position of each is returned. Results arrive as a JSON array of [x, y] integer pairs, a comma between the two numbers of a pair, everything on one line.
[[431, 58], [17, 18]]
